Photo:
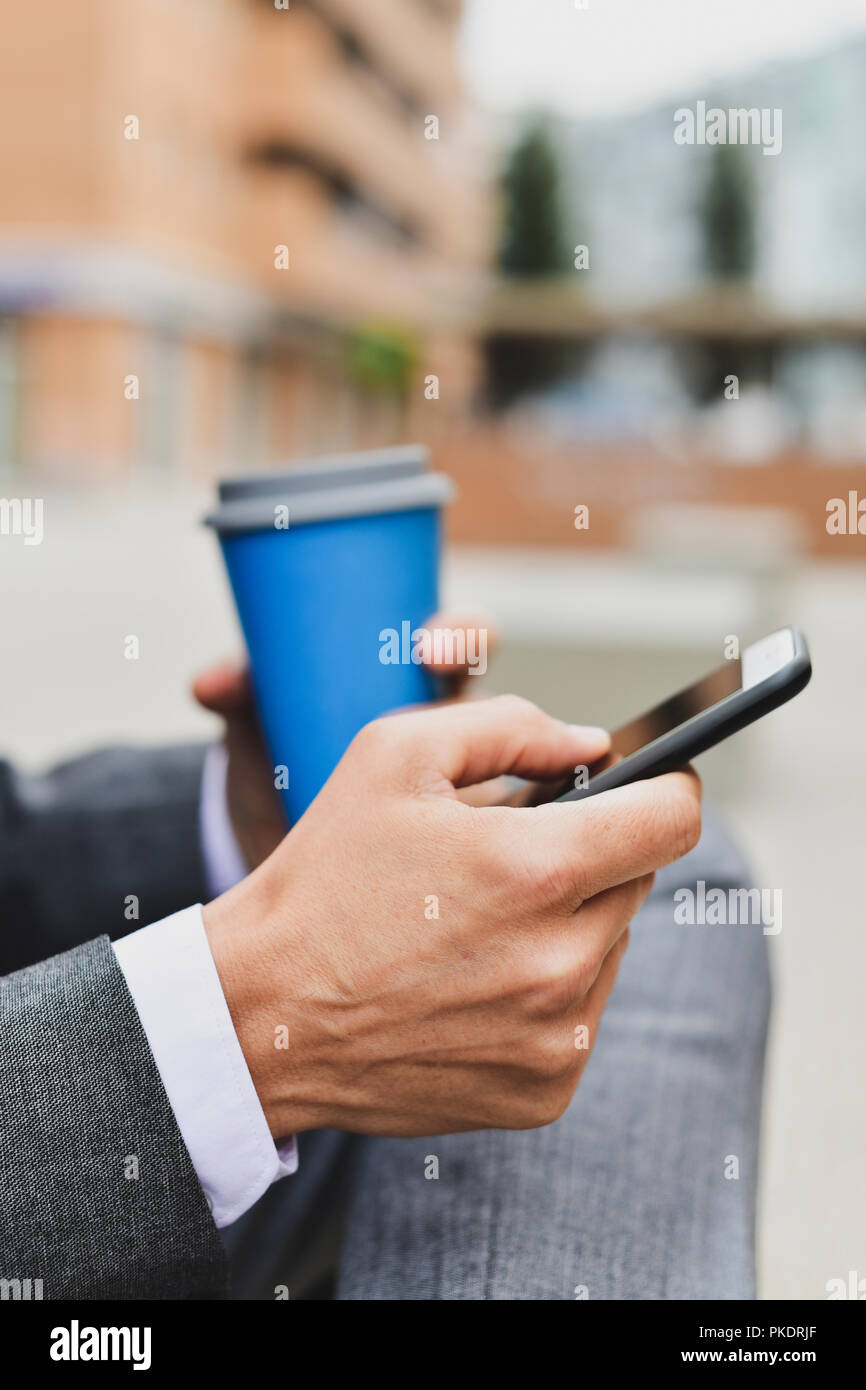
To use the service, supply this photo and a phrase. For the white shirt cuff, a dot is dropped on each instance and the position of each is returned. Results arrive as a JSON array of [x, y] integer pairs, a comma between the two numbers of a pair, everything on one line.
[[173, 980], [224, 865]]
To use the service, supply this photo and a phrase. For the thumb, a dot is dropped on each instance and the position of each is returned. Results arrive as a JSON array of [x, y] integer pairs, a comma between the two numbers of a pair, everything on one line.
[[472, 742], [223, 690]]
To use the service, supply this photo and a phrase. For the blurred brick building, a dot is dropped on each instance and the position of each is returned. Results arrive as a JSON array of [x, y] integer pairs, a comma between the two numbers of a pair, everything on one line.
[[153, 159]]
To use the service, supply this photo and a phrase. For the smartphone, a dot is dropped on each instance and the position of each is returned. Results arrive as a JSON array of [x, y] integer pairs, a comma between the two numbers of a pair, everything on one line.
[[768, 673]]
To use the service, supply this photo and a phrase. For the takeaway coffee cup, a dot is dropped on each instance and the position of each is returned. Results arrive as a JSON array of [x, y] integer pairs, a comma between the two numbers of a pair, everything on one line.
[[333, 565]]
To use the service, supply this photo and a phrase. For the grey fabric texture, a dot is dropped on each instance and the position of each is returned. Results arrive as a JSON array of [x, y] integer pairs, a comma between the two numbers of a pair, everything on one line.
[[630, 1195], [99, 1196], [76, 842], [80, 1095]]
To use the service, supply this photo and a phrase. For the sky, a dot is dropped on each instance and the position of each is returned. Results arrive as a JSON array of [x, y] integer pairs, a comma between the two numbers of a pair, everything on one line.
[[622, 55]]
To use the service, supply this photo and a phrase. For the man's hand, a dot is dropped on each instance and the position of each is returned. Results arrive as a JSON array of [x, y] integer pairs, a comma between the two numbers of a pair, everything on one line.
[[433, 964], [255, 809]]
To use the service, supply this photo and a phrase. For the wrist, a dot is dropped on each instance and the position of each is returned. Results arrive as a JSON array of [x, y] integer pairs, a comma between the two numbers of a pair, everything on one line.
[[251, 966]]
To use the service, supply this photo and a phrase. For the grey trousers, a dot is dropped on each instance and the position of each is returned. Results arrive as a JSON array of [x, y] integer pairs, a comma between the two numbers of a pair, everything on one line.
[[644, 1189]]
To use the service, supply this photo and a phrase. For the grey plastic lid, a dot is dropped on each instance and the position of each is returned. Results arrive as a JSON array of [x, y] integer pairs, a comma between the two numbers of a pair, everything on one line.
[[339, 485]]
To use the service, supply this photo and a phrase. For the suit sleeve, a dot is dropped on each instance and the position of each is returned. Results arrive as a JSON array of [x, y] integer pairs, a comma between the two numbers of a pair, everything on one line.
[[105, 843], [99, 1195]]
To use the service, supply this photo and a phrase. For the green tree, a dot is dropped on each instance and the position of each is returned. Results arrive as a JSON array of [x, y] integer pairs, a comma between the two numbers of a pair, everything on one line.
[[728, 215], [533, 242]]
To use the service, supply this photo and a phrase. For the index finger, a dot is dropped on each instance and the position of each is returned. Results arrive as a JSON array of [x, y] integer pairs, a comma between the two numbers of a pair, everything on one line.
[[617, 835]]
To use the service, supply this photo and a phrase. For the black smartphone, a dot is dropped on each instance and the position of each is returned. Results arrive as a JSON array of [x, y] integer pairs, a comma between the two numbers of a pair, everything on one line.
[[769, 672]]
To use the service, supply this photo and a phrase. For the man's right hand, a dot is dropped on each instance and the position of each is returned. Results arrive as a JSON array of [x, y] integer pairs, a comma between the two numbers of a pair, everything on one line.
[[433, 966]]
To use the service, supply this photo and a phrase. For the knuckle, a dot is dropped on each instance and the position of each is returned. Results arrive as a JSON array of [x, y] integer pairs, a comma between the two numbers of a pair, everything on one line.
[[645, 886], [685, 822], [526, 879], [547, 1104], [558, 980], [633, 897], [515, 706], [551, 1055], [387, 742], [374, 736], [546, 878], [558, 1102], [581, 881], [552, 1102], [619, 948]]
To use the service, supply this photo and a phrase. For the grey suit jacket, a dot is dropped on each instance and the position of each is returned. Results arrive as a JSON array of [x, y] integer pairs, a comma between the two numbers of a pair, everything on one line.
[[98, 1196]]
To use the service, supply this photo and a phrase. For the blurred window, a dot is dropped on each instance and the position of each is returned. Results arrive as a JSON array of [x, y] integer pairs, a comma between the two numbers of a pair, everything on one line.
[[346, 195], [356, 52]]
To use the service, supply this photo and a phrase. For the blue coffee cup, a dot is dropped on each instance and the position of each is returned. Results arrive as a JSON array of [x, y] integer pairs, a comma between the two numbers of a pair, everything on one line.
[[333, 566]]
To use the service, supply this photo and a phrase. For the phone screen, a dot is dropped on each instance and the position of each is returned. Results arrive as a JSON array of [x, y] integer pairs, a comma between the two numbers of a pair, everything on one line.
[[656, 722], [759, 661], [675, 711]]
